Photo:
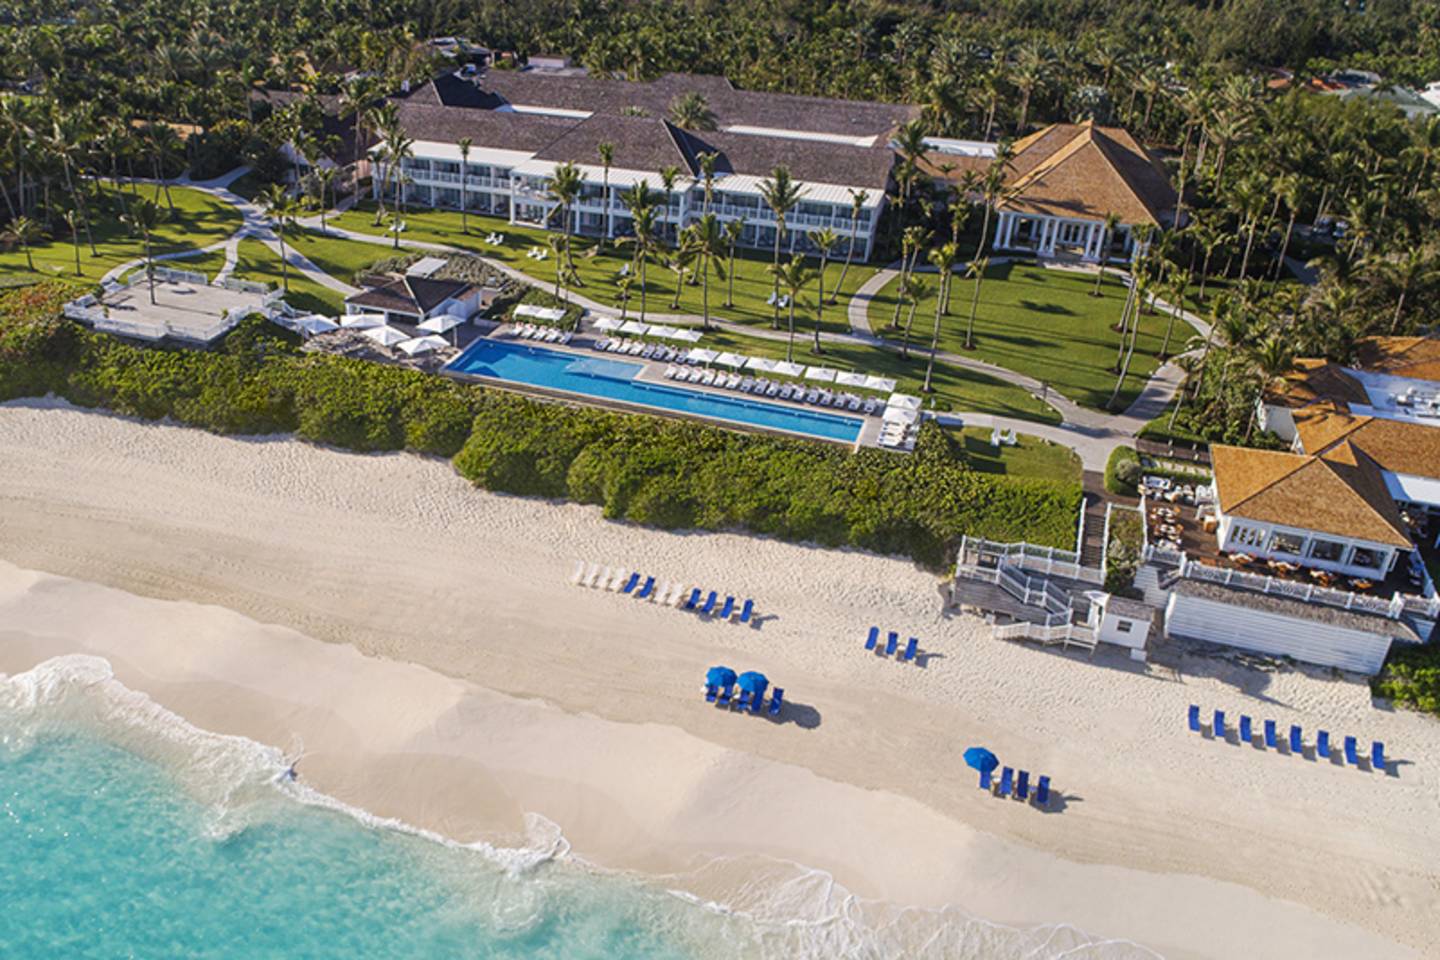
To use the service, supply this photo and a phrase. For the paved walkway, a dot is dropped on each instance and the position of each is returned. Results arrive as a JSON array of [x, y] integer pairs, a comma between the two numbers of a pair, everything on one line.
[[1092, 434]]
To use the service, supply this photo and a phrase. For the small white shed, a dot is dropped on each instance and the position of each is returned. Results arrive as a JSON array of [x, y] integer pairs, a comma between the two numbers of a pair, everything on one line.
[[1121, 621]]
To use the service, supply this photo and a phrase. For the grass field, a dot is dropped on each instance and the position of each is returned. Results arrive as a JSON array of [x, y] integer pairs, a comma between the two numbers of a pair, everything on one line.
[[256, 261], [199, 220], [1030, 457], [600, 273], [1041, 322]]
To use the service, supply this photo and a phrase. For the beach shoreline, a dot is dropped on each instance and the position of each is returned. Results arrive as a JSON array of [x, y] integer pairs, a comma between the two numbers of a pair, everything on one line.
[[421, 641]]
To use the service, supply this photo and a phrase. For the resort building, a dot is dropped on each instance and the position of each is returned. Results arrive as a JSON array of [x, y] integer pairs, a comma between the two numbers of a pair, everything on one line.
[[417, 295], [521, 125], [1061, 185]]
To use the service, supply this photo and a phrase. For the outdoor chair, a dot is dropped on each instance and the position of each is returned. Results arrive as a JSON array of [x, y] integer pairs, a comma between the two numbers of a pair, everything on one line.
[[1042, 792], [711, 691], [1022, 786], [776, 699], [1377, 756], [1352, 755], [1219, 727], [891, 642], [1195, 718], [725, 695], [1270, 738], [710, 603], [1297, 742], [1322, 744], [694, 599], [630, 584], [757, 703], [1006, 775], [874, 636], [910, 649], [746, 610], [1245, 731], [984, 779], [728, 608], [742, 699], [646, 590]]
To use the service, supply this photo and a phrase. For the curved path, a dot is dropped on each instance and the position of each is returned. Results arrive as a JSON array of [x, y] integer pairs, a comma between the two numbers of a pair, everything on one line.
[[1092, 434]]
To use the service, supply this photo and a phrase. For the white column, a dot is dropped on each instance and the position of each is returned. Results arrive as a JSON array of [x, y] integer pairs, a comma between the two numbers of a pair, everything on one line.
[[1052, 233], [512, 200], [998, 241]]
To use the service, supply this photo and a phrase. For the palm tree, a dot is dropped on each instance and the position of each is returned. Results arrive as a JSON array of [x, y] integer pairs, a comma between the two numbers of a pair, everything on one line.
[[913, 289], [23, 232], [464, 143], [912, 241], [1029, 74], [356, 98], [144, 217], [794, 275], [565, 185], [1139, 290], [824, 241], [1271, 359], [704, 241], [282, 208], [641, 204], [1290, 188], [606, 149], [708, 161], [734, 230], [781, 193], [1411, 272], [691, 111], [669, 176], [1107, 230], [943, 258], [858, 199], [72, 220], [976, 269]]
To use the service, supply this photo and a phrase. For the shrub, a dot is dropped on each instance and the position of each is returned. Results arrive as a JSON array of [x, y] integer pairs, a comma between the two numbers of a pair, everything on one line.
[[1411, 677], [1123, 472]]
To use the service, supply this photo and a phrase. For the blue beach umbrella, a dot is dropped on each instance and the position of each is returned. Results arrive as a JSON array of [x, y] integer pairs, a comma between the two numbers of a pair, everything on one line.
[[753, 682], [719, 677], [981, 759]]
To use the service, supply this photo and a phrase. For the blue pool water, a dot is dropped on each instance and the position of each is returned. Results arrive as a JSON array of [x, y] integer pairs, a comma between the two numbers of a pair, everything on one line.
[[601, 376]]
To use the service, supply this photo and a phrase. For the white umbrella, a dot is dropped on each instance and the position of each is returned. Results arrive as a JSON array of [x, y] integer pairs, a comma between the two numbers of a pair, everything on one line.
[[423, 345], [789, 369], [663, 332], [900, 415], [441, 324], [903, 401], [607, 323], [880, 383], [362, 321], [823, 374], [386, 336], [763, 364], [701, 355], [731, 360], [847, 379], [315, 323], [635, 327], [689, 336]]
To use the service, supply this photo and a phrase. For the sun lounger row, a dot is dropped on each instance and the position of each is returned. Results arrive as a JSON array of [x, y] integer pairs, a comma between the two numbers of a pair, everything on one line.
[[761, 387], [664, 592], [1296, 740], [530, 331], [637, 348], [728, 697], [892, 642], [898, 436], [1011, 784]]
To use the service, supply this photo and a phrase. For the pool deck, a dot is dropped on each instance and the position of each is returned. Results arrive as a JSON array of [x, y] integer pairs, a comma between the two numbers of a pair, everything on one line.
[[653, 371]]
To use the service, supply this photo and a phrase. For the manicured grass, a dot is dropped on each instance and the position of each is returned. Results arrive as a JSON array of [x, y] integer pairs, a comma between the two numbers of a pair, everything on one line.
[[258, 262], [338, 256], [199, 220], [1040, 322], [1030, 457], [599, 273], [209, 262], [954, 388]]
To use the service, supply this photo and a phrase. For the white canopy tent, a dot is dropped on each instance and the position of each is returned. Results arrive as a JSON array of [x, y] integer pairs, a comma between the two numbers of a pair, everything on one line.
[[701, 355], [443, 323], [635, 328], [847, 379], [787, 369], [548, 314], [820, 374], [762, 364], [663, 332], [421, 345], [386, 336], [608, 323], [903, 401], [689, 336], [884, 384], [362, 321], [315, 323], [733, 360], [900, 415]]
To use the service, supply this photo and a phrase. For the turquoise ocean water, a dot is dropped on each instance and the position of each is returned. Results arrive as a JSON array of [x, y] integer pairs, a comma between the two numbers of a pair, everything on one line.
[[125, 832]]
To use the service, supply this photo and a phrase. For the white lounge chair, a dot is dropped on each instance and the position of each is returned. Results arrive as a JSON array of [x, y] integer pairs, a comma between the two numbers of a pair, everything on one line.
[[772, 390], [732, 382], [784, 392], [869, 406], [579, 572], [708, 377], [747, 384]]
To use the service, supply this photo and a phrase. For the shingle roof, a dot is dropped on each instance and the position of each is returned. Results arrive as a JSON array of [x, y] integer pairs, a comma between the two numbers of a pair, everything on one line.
[[1081, 170], [1341, 494], [510, 131], [392, 297], [1399, 446], [1415, 357], [812, 160], [413, 295], [640, 143], [1315, 381]]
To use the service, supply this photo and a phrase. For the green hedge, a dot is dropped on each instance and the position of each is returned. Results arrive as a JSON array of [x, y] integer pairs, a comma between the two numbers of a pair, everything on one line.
[[657, 472], [1122, 471], [1411, 677]]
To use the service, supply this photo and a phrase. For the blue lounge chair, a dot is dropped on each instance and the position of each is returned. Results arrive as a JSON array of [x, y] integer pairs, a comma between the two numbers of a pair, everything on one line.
[[910, 649], [1377, 756], [746, 610], [984, 779], [1270, 738], [694, 599], [1042, 792], [1352, 753], [728, 608], [1006, 775], [725, 694], [1195, 718], [1022, 785], [776, 700], [1219, 727], [630, 584], [711, 691], [891, 642], [648, 589], [710, 602], [742, 700], [1246, 734], [1297, 742], [871, 640], [1322, 744], [756, 703]]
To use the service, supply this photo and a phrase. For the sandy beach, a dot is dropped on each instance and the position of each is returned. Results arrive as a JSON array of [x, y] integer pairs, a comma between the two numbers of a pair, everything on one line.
[[419, 644]]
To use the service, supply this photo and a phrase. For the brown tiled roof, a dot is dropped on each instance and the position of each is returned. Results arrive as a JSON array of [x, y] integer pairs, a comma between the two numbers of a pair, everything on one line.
[[1399, 446], [1081, 170], [640, 143], [812, 160], [392, 297], [509, 131], [1414, 357], [1342, 494], [1312, 381], [412, 295]]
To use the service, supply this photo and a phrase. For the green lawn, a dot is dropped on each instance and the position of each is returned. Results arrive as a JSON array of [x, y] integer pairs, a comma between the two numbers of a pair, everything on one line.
[[1040, 322], [258, 262], [599, 273], [955, 388], [1030, 457], [337, 256], [199, 221]]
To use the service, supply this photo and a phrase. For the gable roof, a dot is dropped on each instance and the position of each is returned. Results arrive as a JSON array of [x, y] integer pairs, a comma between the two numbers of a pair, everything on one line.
[[1085, 171], [640, 143], [410, 295], [1341, 494], [1399, 446], [1315, 381], [510, 131]]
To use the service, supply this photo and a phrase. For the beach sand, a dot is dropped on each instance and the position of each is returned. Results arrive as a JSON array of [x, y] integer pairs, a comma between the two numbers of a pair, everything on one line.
[[420, 644]]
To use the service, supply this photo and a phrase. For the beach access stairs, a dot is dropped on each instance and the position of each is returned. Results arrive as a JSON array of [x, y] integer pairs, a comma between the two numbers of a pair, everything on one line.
[[1027, 592]]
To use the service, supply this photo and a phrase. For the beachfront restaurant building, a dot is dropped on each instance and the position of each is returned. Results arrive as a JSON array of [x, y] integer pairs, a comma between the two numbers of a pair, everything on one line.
[[521, 125]]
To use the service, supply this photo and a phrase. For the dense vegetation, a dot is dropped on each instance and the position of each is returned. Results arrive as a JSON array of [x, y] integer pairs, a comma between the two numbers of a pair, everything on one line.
[[656, 472], [1411, 677]]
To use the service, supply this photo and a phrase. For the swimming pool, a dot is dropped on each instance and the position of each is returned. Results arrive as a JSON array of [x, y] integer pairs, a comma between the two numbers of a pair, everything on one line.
[[600, 376]]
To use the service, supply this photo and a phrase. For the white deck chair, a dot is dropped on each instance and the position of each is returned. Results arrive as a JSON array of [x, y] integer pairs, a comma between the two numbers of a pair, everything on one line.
[[579, 572], [593, 575]]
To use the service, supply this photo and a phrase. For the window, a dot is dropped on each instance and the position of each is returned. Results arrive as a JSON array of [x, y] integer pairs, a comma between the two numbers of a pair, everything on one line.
[[1367, 558], [1328, 550], [1246, 536], [1287, 543], [1123, 626]]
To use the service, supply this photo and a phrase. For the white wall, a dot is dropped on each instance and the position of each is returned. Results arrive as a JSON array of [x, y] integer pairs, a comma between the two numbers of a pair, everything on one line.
[[1275, 634]]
